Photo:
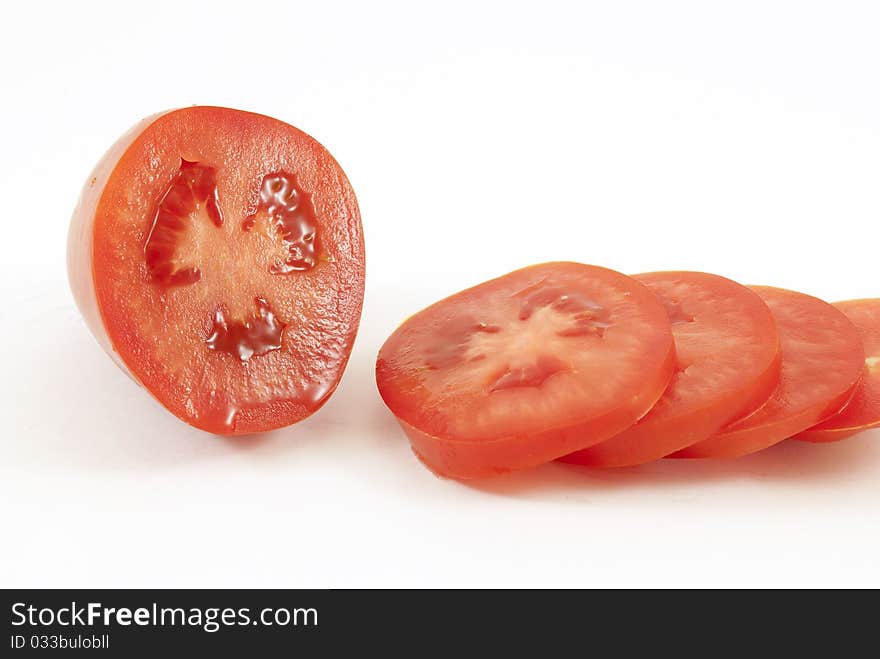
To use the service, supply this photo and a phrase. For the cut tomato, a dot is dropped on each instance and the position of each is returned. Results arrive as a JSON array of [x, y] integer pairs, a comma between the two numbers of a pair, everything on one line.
[[863, 411], [728, 359], [218, 257], [526, 368], [822, 361]]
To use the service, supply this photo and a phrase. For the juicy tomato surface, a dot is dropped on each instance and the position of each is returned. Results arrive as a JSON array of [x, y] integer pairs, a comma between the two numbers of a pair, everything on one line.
[[728, 360], [526, 368], [822, 362], [218, 257], [863, 411]]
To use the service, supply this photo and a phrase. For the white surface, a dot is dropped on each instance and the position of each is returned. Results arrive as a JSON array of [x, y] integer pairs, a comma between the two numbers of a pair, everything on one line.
[[479, 138]]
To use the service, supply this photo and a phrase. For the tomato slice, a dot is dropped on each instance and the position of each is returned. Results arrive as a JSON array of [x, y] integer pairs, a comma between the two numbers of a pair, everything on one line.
[[822, 361], [728, 361], [863, 411], [218, 257], [526, 368]]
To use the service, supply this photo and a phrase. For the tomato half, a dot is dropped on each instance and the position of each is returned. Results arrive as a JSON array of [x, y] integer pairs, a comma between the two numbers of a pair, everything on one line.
[[218, 257], [728, 360], [863, 411], [822, 362], [526, 368]]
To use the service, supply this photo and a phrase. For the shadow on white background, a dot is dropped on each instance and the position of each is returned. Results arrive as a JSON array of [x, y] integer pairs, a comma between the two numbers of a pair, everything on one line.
[[789, 462]]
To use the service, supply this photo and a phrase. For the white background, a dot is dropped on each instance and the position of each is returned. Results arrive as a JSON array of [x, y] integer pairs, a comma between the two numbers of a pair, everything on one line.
[[740, 138]]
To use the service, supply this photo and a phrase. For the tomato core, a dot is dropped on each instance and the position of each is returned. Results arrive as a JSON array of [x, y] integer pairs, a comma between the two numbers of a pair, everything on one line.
[[175, 248], [546, 315]]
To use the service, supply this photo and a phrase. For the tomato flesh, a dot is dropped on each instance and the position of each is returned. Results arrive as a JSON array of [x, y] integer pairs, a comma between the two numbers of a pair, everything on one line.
[[526, 368], [218, 256], [728, 361], [822, 362], [863, 411]]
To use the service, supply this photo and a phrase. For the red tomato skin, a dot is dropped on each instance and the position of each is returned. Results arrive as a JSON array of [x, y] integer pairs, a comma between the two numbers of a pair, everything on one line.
[[742, 437], [80, 240], [831, 436], [466, 460], [859, 414], [653, 438], [637, 444], [82, 257], [750, 440]]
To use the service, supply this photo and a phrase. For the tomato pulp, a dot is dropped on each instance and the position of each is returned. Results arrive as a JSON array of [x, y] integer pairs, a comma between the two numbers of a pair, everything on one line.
[[728, 360], [526, 368], [863, 411], [822, 362], [218, 257]]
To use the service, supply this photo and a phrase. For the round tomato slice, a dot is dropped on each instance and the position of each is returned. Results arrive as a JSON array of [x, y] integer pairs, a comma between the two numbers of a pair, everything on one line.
[[526, 368], [728, 360], [863, 411], [218, 257], [822, 361]]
